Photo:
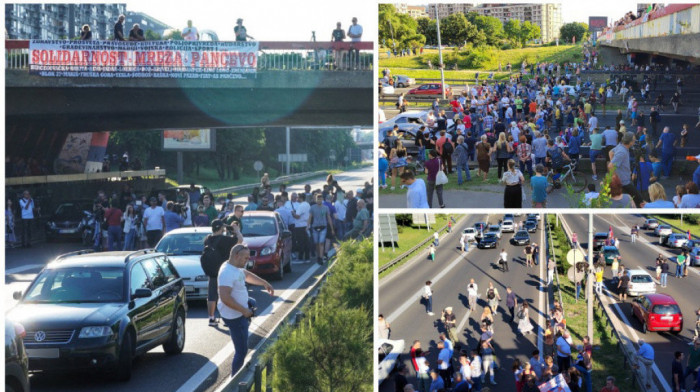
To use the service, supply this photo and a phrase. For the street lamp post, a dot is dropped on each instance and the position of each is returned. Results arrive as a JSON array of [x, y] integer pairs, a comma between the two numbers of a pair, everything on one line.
[[441, 65]]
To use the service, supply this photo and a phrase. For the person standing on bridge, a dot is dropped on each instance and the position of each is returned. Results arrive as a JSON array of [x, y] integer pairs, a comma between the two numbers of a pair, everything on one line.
[[234, 304], [136, 33], [241, 32], [338, 35], [85, 33], [190, 32], [119, 29], [355, 34]]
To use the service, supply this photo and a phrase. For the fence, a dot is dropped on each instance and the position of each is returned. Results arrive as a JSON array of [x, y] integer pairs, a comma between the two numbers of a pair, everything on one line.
[[554, 257], [408, 252], [277, 56]]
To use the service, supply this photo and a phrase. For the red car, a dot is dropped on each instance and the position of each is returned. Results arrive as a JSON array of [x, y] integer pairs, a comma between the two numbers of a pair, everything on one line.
[[270, 243], [431, 89], [658, 312]]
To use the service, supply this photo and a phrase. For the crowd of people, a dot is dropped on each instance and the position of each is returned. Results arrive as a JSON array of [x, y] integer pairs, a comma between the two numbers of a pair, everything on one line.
[[125, 221]]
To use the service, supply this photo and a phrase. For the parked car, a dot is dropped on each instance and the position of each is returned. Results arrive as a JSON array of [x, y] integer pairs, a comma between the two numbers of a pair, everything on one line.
[[663, 230], [690, 245], [508, 217], [270, 243], [184, 248], [536, 216], [490, 240], [16, 359], [676, 240], [530, 225], [650, 224], [599, 240], [403, 81], [481, 228], [521, 238], [386, 89], [431, 89], [569, 90], [469, 233], [388, 352], [66, 222], [609, 254], [657, 312], [90, 310], [640, 282], [694, 257], [495, 229], [407, 137], [507, 226], [409, 117]]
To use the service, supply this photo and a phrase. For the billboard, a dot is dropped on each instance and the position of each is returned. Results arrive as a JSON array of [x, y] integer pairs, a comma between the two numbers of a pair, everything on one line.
[[597, 23], [189, 140], [143, 59]]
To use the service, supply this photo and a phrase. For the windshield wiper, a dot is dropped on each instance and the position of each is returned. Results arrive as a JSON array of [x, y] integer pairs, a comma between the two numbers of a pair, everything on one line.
[[255, 235]]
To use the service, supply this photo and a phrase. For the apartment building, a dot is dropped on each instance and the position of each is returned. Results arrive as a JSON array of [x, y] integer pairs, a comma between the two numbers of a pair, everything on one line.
[[60, 21]]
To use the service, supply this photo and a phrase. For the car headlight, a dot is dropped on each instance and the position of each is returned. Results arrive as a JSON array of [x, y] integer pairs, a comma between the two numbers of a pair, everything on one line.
[[95, 332], [51, 224], [268, 250], [201, 278]]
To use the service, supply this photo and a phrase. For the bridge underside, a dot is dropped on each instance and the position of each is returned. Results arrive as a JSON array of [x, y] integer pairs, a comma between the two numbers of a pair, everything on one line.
[[683, 47], [35, 104]]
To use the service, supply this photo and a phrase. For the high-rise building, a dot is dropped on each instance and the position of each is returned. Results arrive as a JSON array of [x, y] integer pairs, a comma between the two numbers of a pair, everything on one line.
[[146, 22], [416, 12], [60, 21], [547, 16]]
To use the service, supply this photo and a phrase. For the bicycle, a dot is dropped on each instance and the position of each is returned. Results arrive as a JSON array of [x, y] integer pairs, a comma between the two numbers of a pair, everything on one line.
[[567, 177]]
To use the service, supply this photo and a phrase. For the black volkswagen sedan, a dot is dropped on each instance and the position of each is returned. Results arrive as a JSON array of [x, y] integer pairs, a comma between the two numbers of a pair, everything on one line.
[[521, 238], [100, 310], [67, 220], [490, 240]]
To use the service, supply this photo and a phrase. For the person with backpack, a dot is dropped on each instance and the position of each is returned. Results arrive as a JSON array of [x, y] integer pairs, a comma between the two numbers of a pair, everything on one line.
[[217, 247], [493, 297]]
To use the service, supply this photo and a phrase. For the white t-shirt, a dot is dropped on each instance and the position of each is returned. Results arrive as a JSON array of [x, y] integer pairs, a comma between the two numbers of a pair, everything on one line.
[[341, 210], [423, 365], [303, 212], [154, 216], [233, 277], [472, 289], [27, 213], [476, 366], [190, 33], [355, 29], [504, 256], [466, 371]]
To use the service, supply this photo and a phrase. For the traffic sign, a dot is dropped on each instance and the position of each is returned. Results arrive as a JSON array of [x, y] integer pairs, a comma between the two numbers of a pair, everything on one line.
[[574, 256], [258, 165]]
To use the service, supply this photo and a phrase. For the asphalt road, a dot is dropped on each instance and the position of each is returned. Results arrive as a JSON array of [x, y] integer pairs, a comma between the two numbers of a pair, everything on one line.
[[399, 295], [206, 359], [642, 254]]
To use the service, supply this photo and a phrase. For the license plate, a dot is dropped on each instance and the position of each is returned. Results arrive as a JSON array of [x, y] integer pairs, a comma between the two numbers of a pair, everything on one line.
[[67, 231], [667, 318], [42, 352], [189, 289]]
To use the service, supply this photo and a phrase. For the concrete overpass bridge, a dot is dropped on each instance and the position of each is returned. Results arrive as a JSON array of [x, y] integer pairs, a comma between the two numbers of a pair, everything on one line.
[[295, 84], [672, 32]]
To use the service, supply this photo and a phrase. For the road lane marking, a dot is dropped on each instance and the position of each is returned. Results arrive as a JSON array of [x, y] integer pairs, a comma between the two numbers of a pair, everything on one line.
[[608, 300], [23, 268], [213, 364], [540, 317]]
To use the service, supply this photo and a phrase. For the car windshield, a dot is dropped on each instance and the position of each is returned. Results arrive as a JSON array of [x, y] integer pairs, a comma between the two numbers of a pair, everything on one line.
[[182, 244], [521, 234], [494, 228], [258, 226], [490, 236], [666, 309], [70, 210], [77, 285], [641, 279]]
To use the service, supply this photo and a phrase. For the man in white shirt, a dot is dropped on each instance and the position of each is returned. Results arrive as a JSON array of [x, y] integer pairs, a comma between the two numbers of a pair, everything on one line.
[[154, 222], [301, 218], [234, 305], [355, 34], [190, 33], [476, 371], [466, 369], [472, 293], [504, 260], [26, 206]]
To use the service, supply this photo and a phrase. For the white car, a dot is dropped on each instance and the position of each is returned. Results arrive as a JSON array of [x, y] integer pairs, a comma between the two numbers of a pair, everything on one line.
[[663, 230], [650, 224], [640, 282], [387, 89], [388, 352], [676, 240], [184, 247], [469, 234], [507, 226], [694, 256], [495, 229]]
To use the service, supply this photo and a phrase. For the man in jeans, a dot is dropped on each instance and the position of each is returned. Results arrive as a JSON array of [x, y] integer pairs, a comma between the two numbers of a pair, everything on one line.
[[620, 160], [26, 205], [645, 355], [301, 220], [234, 304], [319, 222]]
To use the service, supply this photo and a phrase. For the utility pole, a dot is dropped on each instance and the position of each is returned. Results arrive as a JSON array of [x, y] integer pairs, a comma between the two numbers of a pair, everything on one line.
[[289, 157], [589, 285], [441, 65]]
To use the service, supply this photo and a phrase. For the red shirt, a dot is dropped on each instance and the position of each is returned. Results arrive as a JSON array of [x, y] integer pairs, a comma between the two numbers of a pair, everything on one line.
[[113, 216], [439, 143]]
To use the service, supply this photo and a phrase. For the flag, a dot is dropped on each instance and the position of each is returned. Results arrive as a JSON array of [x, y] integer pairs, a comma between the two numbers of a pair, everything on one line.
[[557, 384], [689, 237]]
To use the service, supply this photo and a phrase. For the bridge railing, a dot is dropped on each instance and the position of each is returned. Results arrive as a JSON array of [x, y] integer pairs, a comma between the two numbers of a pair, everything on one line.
[[673, 19], [278, 56]]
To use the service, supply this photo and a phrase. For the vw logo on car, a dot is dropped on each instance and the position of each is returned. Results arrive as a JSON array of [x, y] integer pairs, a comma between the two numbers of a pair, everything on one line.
[[40, 336]]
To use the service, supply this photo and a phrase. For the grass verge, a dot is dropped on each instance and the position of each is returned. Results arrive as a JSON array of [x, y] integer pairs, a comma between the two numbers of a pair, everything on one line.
[[491, 179], [685, 226], [606, 353], [410, 236]]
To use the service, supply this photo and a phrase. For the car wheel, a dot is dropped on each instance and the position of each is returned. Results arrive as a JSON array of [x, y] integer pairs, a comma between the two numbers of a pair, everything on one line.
[[288, 267], [9, 388], [400, 85], [176, 342], [280, 272], [676, 332], [126, 354]]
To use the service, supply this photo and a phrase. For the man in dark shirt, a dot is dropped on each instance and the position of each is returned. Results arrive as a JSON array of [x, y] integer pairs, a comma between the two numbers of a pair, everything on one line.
[[677, 379], [136, 33], [222, 244], [622, 286], [400, 380], [119, 29]]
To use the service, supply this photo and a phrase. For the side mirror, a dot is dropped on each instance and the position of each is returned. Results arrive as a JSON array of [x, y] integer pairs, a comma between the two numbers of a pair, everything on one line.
[[17, 295], [142, 293]]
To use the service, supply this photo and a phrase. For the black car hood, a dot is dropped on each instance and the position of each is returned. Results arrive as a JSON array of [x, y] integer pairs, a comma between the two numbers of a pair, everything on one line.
[[64, 316]]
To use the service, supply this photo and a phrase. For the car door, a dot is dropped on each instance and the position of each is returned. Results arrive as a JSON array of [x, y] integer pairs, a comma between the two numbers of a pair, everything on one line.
[[165, 293], [144, 311]]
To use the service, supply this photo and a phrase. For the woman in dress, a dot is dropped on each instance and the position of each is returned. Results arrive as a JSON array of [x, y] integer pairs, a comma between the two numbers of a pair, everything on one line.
[[129, 219], [483, 156], [524, 325], [492, 297], [513, 179], [503, 150]]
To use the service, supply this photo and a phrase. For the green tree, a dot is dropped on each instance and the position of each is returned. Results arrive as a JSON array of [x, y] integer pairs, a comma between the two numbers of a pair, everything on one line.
[[529, 31], [512, 30], [428, 28], [489, 25], [573, 29], [398, 31], [175, 35], [236, 149], [151, 35], [456, 30], [144, 145]]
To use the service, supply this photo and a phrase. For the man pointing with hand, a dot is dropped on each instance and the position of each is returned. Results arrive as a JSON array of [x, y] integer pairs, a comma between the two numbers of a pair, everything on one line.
[[234, 304]]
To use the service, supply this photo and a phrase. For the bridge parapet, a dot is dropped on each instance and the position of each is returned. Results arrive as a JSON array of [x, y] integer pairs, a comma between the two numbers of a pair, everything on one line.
[[674, 19]]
